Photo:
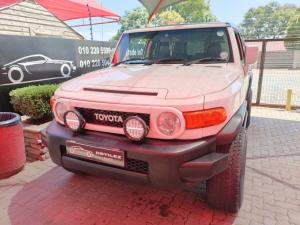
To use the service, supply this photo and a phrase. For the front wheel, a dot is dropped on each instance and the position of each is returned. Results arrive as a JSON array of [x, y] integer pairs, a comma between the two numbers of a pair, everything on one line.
[[225, 190]]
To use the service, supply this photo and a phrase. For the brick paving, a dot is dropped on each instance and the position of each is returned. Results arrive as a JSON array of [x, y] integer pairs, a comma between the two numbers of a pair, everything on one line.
[[43, 194]]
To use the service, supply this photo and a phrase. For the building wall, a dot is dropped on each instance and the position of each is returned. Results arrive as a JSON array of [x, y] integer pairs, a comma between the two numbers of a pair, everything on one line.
[[278, 56], [29, 19]]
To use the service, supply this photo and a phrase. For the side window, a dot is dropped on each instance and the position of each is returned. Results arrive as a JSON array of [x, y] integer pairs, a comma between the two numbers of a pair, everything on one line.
[[32, 58], [241, 46]]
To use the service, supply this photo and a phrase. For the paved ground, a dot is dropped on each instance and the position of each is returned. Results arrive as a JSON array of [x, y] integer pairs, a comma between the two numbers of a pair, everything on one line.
[[44, 194], [275, 85]]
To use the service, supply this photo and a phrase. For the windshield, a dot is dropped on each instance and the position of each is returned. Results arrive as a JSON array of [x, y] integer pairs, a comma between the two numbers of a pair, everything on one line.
[[174, 46]]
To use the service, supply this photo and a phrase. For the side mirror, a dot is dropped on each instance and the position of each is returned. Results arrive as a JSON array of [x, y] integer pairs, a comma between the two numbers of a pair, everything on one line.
[[251, 54], [115, 58], [111, 55]]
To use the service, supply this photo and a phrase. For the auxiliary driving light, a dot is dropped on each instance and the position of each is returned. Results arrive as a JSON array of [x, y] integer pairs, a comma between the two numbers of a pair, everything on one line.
[[135, 128], [74, 121]]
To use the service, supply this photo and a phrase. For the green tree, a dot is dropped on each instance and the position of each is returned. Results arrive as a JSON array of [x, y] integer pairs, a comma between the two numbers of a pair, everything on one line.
[[293, 30], [195, 11], [269, 21], [190, 11], [136, 18], [170, 17]]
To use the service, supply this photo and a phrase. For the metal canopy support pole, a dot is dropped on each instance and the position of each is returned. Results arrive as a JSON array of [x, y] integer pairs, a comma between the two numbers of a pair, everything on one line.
[[90, 18], [155, 10], [102, 31], [261, 71]]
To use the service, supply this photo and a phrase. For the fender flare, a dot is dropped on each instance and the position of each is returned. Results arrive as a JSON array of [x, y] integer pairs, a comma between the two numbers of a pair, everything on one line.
[[233, 127], [249, 86]]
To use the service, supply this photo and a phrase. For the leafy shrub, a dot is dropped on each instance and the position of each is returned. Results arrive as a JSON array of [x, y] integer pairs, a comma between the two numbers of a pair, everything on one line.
[[34, 101]]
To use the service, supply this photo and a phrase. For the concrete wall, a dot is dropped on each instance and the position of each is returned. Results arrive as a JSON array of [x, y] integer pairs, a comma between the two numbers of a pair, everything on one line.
[[29, 19]]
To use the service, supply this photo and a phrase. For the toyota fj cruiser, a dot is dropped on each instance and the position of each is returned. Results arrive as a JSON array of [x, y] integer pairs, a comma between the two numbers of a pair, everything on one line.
[[172, 110]]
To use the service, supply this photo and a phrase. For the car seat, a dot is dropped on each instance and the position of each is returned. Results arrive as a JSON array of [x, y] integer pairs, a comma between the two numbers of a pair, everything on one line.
[[214, 50], [179, 50], [164, 50]]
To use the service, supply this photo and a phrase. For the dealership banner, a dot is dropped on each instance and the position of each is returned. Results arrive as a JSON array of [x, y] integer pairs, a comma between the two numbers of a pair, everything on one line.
[[38, 60]]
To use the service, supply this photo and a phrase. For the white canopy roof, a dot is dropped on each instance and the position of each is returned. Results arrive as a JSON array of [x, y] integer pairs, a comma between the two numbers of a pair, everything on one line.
[[153, 6]]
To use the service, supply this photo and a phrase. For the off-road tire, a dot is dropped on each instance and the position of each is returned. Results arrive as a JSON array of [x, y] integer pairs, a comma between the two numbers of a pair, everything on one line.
[[225, 190], [249, 106]]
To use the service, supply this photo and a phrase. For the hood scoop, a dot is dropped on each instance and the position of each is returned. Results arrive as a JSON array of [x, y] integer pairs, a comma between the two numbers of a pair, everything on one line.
[[122, 92]]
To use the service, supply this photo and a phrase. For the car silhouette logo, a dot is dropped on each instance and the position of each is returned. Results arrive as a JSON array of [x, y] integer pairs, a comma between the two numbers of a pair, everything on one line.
[[36, 64]]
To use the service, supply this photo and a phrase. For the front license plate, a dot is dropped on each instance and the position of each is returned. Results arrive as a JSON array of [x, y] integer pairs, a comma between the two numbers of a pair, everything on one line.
[[97, 154]]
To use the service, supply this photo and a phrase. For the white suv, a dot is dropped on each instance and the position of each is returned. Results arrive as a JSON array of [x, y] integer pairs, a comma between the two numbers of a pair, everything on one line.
[[172, 110]]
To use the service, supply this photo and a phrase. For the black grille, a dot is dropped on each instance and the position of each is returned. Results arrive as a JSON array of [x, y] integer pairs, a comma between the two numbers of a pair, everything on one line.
[[90, 117], [137, 166]]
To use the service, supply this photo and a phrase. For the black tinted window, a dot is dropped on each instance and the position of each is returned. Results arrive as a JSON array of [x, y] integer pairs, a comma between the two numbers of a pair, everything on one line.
[[188, 44]]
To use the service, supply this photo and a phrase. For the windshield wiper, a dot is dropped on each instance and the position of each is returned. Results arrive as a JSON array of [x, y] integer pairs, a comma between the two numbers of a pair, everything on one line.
[[133, 60], [166, 60], [207, 59]]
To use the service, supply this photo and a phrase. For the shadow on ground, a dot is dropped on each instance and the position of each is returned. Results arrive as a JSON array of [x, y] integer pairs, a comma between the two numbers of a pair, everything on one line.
[[61, 198]]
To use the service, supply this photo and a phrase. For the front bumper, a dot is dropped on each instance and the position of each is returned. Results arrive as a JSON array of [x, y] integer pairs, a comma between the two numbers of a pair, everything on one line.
[[162, 163], [169, 163]]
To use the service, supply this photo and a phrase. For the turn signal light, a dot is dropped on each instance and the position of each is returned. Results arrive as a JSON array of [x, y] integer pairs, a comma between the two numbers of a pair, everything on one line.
[[204, 118], [52, 102]]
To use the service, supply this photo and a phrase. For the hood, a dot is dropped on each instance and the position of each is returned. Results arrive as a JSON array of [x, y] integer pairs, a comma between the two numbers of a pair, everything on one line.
[[163, 81]]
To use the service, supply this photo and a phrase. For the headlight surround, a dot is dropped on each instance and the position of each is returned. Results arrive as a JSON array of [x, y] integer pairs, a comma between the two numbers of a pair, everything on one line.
[[168, 123], [60, 109]]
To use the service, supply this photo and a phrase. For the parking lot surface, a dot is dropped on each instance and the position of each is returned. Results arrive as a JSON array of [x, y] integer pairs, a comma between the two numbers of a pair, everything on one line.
[[43, 194]]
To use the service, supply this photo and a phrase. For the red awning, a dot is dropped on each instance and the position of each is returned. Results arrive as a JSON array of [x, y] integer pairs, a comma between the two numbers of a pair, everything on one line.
[[4, 3], [71, 9], [76, 9]]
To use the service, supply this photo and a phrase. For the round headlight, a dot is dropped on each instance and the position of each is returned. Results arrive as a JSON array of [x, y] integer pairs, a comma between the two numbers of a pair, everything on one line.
[[74, 121], [60, 110], [135, 128], [168, 123]]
